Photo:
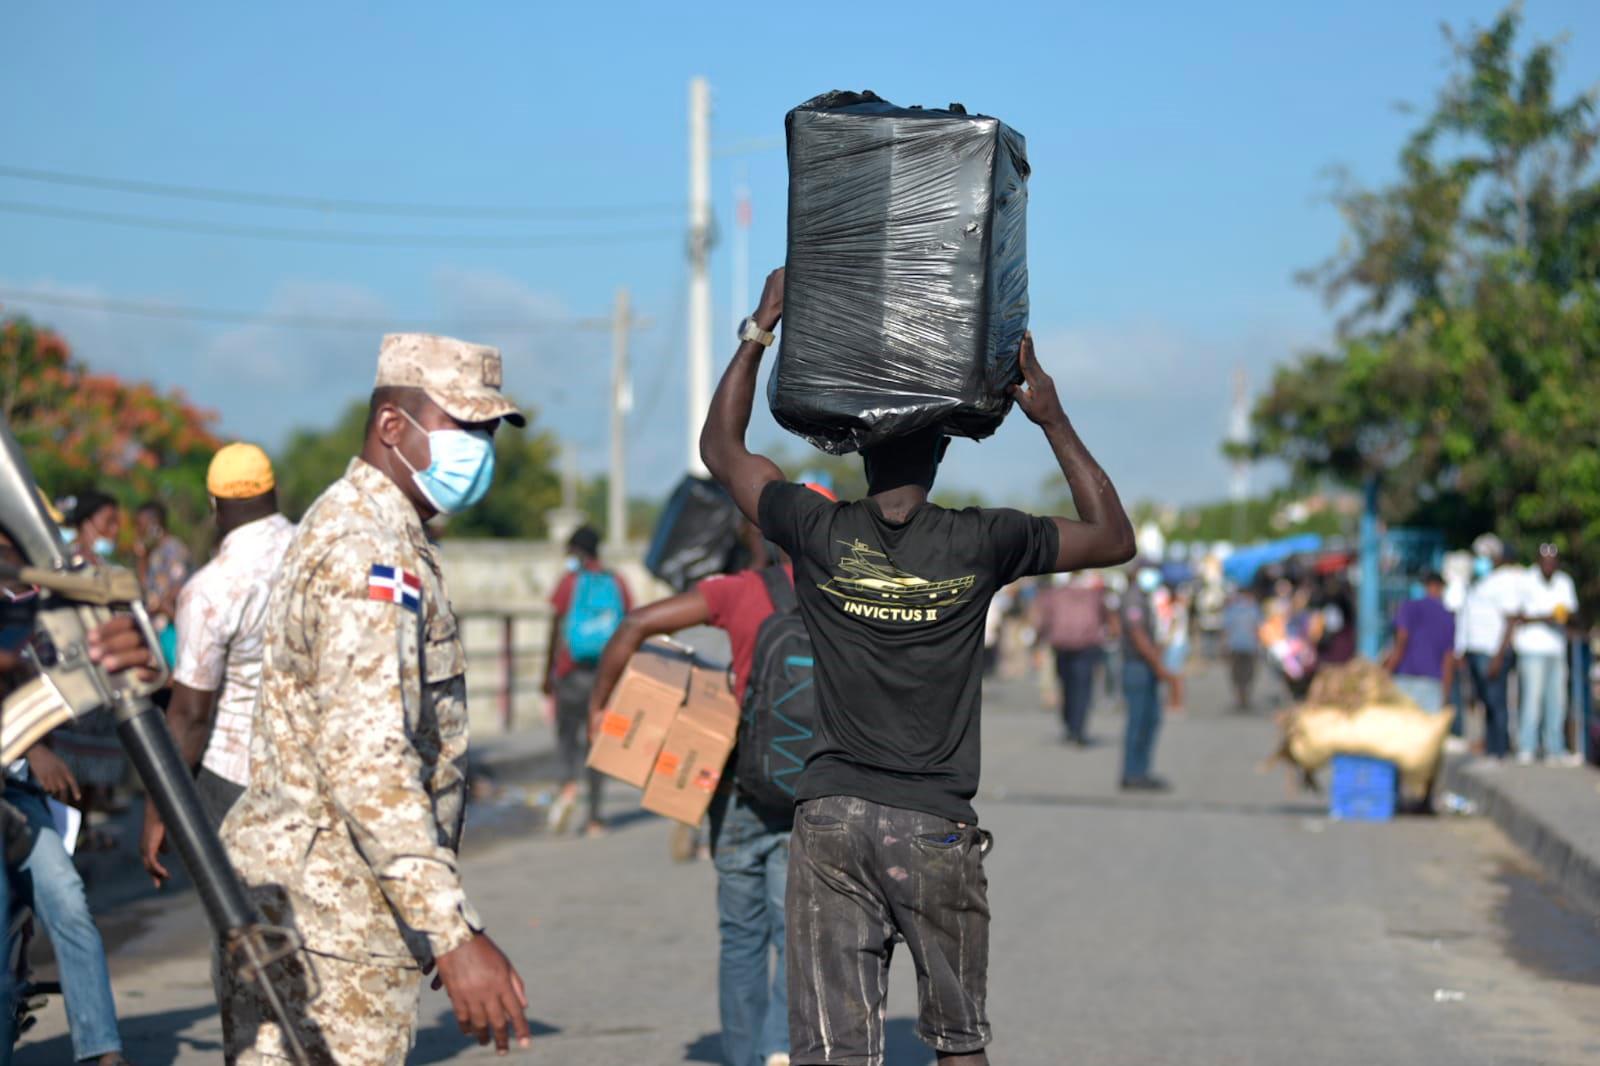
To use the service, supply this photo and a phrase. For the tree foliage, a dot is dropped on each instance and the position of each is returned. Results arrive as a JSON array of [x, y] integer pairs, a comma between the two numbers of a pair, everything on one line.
[[1466, 373], [80, 429]]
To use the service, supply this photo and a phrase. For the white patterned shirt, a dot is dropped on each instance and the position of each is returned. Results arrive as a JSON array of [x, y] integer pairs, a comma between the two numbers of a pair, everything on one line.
[[221, 633]]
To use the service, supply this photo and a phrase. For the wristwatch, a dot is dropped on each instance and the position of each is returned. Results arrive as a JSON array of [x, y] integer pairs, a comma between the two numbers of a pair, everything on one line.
[[749, 330]]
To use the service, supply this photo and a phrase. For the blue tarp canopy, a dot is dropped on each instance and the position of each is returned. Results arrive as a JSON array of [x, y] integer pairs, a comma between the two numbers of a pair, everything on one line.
[[1242, 566]]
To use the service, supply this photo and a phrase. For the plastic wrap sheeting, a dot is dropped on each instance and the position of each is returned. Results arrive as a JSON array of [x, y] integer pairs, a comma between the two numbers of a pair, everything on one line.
[[696, 536], [906, 292]]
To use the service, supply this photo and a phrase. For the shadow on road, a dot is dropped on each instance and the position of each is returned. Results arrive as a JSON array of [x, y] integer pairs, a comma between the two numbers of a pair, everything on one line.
[[148, 1039], [443, 1040], [1164, 806], [902, 1048]]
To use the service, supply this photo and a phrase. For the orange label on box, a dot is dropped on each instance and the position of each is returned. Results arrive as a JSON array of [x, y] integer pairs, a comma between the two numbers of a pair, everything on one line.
[[668, 763], [615, 725]]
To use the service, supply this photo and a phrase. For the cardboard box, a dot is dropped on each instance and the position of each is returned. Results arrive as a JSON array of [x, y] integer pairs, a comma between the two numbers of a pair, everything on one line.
[[690, 764], [641, 712]]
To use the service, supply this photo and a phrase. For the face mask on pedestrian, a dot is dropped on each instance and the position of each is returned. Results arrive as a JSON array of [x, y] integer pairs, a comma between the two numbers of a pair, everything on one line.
[[574, 564], [461, 468], [1481, 566], [104, 547], [1149, 579]]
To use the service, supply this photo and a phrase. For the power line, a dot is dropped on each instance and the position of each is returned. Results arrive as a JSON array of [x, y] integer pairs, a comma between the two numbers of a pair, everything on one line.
[[351, 237], [329, 203], [285, 321]]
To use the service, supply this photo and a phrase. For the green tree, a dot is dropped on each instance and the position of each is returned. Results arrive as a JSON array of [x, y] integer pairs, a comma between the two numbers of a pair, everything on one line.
[[80, 429], [526, 484], [1466, 375]]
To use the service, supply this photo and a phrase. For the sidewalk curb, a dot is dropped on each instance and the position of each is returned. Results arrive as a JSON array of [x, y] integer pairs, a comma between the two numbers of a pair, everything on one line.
[[1575, 871]]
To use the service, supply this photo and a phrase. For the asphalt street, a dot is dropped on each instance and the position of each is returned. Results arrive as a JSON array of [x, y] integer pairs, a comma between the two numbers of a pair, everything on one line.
[[1229, 922]]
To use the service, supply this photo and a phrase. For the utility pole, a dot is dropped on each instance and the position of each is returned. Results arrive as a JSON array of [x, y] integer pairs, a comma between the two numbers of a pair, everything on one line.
[[1239, 436], [621, 404], [741, 250], [699, 266]]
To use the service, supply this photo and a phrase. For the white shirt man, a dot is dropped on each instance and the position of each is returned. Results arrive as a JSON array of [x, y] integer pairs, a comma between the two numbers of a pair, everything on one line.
[[221, 634], [221, 624], [1547, 599]]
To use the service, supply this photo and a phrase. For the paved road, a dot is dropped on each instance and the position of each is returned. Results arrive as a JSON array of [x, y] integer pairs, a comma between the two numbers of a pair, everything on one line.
[[1228, 923]]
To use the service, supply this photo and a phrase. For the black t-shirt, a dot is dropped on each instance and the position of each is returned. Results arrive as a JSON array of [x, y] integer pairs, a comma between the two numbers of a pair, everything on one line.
[[896, 616]]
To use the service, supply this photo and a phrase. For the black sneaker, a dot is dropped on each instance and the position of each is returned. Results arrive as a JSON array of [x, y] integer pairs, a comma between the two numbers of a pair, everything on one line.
[[1145, 784]]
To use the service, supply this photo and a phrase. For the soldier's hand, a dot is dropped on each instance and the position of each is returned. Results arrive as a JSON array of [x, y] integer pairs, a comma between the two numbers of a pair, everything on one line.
[[152, 842], [486, 992], [118, 645]]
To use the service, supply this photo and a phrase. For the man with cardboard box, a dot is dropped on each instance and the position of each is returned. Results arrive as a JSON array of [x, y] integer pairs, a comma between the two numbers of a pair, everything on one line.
[[894, 591], [749, 839]]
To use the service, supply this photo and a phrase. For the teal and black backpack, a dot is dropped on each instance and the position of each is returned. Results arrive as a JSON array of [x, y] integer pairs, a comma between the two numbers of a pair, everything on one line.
[[596, 612], [778, 727]]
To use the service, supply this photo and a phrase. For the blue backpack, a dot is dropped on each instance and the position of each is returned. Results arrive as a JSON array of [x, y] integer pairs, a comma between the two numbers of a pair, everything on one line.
[[596, 612]]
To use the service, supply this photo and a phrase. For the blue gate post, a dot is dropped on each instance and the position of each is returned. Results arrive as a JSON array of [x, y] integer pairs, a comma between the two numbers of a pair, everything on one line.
[[1369, 627]]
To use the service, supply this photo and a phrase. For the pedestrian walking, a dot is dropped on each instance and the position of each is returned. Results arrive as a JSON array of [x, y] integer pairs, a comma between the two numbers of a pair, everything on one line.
[[587, 606], [221, 615], [1069, 617], [1549, 599], [1173, 620], [89, 745], [1483, 637], [1241, 628], [749, 838], [1423, 657], [1144, 671], [163, 563], [1335, 622], [886, 843], [349, 831]]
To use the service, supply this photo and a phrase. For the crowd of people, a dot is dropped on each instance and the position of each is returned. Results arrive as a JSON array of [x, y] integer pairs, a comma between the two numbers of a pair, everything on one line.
[[318, 694], [1509, 630]]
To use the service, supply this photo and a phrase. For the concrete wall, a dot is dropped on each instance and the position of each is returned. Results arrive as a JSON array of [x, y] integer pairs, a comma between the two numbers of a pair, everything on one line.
[[492, 582]]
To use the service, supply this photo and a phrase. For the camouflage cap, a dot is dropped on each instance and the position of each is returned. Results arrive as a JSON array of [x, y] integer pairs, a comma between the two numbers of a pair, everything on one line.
[[462, 378]]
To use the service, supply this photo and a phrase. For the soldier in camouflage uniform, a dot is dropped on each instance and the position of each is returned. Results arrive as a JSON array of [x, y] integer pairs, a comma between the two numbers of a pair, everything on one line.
[[349, 830]]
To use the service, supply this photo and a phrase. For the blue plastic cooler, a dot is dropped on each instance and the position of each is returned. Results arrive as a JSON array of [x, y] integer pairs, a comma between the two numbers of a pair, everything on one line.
[[1363, 789]]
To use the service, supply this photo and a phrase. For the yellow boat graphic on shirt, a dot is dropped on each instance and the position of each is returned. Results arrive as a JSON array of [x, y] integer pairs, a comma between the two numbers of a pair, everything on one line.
[[868, 585]]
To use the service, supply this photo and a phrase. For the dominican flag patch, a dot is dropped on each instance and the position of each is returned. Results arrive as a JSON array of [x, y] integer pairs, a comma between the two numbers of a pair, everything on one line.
[[390, 584]]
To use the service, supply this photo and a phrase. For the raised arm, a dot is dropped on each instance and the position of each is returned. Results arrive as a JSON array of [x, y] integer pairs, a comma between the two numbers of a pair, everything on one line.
[[1101, 535], [652, 620], [722, 448]]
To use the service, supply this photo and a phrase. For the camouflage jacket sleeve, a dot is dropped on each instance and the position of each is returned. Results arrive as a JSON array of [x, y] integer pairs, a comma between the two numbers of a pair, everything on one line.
[[366, 659]]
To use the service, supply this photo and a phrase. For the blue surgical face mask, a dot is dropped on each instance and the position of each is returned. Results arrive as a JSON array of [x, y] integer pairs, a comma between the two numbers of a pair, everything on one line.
[[1149, 579], [1481, 566], [104, 547], [461, 469], [573, 564]]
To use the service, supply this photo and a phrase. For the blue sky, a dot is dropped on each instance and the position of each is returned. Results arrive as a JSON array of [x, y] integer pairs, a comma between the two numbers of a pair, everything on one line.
[[1179, 152]]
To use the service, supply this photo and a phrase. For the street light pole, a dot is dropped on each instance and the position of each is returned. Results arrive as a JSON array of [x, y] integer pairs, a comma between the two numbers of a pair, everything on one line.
[[621, 402], [699, 384]]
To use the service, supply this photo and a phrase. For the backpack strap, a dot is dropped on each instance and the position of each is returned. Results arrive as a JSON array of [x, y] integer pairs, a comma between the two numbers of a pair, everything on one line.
[[780, 589]]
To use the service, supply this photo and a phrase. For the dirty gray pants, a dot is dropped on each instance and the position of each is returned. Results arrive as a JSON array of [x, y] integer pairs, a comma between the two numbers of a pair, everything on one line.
[[862, 875]]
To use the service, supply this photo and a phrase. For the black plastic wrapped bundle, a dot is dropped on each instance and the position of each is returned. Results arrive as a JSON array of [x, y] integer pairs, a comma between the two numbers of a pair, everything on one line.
[[906, 291], [696, 536]]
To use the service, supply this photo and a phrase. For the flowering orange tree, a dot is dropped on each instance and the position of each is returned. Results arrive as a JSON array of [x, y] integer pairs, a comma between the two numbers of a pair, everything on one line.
[[80, 429]]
